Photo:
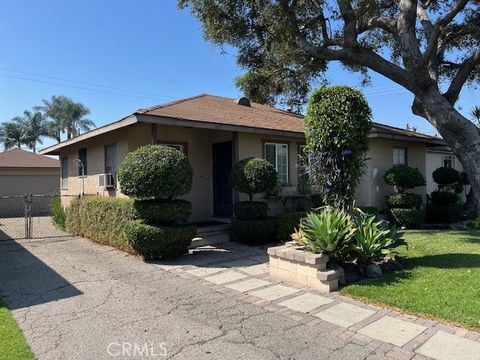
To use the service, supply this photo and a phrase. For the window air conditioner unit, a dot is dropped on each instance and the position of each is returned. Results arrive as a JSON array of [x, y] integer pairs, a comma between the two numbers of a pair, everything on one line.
[[106, 181]]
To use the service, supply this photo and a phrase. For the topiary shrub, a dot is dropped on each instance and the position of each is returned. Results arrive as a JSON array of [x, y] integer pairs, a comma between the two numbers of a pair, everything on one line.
[[443, 214], [404, 200], [163, 211], [287, 223], [444, 198], [253, 232], [155, 171], [475, 224], [447, 177], [409, 218], [154, 242], [337, 125], [404, 177], [249, 210], [253, 175]]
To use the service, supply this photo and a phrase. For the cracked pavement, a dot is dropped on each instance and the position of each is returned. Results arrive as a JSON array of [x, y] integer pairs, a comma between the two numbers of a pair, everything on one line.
[[72, 298]]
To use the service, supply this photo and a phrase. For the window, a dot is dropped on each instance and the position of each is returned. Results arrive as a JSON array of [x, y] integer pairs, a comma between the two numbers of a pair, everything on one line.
[[449, 161], [82, 155], [399, 156], [277, 155], [64, 178], [111, 159], [180, 146]]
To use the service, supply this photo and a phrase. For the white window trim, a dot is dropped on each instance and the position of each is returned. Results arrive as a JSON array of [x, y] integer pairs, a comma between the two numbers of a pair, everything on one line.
[[62, 185], [404, 155], [276, 153]]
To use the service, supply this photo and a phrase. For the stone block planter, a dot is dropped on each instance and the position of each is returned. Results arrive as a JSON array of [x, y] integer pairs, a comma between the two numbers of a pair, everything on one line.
[[293, 264]]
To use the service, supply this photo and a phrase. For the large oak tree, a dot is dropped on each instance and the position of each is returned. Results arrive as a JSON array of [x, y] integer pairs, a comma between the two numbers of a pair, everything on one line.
[[429, 47]]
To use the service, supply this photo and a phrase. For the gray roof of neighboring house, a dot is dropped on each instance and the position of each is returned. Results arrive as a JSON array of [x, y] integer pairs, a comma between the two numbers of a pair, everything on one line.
[[208, 111], [19, 158]]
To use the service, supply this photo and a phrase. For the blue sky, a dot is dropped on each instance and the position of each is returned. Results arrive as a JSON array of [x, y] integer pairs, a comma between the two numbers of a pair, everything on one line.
[[119, 56]]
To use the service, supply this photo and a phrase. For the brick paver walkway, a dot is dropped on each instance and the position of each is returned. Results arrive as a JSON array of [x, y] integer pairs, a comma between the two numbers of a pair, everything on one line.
[[242, 272]]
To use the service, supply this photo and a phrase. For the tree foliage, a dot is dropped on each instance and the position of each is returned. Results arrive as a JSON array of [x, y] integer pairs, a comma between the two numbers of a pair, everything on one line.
[[253, 175], [337, 126]]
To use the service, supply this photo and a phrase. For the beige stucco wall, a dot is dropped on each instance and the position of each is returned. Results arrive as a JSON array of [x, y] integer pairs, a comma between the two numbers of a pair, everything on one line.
[[372, 189]]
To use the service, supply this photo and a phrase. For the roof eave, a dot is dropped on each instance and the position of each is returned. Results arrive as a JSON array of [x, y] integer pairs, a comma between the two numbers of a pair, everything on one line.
[[413, 138]]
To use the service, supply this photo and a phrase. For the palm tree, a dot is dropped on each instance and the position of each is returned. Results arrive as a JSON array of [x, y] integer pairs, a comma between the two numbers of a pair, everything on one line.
[[34, 128], [66, 116], [11, 134], [476, 114]]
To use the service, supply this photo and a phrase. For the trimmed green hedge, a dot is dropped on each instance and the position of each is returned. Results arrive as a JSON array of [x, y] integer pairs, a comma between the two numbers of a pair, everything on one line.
[[475, 224], [249, 210], [153, 242], [253, 175], [163, 211], [404, 200], [443, 214], [101, 219], [259, 231], [409, 218], [444, 198], [287, 223]]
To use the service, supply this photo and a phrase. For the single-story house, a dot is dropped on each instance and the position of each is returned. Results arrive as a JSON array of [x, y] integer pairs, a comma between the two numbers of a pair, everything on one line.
[[441, 156], [215, 132], [24, 172]]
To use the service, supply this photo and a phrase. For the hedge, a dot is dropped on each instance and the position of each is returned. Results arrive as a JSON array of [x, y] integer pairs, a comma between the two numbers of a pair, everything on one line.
[[409, 218], [101, 219], [404, 200], [253, 175], [163, 211], [370, 210], [259, 231], [249, 210], [153, 242], [444, 198], [443, 214], [287, 223], [475, 224]]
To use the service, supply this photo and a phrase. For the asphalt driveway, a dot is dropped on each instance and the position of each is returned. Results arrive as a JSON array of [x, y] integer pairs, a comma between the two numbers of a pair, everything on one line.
[[78, 300]]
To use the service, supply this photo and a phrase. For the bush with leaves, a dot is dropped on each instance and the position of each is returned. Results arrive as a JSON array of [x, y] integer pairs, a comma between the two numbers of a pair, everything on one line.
[[155, 171], [408, 218], [287, 223], [404, 200], [447, 178], [58, 213], [250, 210], [404, 177], [444, 205], [253, 175], [328, 231], [373, 240], [256, 231], [337, 125]]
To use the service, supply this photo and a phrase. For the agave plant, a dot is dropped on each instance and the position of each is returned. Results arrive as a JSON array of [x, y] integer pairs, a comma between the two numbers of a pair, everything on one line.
[[329, 231], [372, 240], [298, 236]]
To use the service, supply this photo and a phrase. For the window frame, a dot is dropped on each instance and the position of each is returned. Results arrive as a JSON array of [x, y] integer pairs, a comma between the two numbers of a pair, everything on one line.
[[405, 155], [174, 144], [105, 159], [64, 180], [266, 142], [84, 162]]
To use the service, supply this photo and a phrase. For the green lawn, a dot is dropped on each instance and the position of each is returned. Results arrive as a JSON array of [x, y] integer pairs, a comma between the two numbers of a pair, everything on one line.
[[441, 278], [12, 342]]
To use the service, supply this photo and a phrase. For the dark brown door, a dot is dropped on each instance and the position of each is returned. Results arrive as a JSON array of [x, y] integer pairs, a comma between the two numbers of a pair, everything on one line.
[[222, 189]]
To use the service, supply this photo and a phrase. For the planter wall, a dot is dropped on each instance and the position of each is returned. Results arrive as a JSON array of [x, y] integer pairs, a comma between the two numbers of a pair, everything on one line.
[[293, 264]]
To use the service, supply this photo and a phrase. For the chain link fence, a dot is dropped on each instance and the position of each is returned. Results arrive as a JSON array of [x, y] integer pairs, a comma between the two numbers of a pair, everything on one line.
[[29, 217]]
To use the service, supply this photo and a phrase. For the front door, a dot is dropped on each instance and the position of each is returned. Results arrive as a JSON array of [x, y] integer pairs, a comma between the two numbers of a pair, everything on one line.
[[222, 189]]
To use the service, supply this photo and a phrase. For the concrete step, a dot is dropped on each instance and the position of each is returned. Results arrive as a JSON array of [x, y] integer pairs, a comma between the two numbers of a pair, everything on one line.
[[209, 240], [213, 229]]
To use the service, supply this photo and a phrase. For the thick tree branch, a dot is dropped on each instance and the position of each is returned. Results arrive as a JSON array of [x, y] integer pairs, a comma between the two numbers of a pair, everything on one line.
[[350, 20], [409, 46], [385, 23], [464, 72]]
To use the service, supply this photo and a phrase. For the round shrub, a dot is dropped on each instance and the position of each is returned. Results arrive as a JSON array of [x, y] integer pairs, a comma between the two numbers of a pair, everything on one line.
[[155, 171], [404, 200], [404, 177], [443, 214], [409, 218], [153, 242], [253, 175], [249, 210], [444, 198], [475, 224], [444, 176], [253, 231], [156, 211], [337, 125]]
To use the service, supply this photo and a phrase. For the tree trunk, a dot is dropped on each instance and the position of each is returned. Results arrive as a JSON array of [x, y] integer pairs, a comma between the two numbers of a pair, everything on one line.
[[461, 135]]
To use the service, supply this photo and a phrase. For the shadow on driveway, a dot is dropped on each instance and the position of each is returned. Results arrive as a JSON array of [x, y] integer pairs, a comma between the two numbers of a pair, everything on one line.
[[25, 280]]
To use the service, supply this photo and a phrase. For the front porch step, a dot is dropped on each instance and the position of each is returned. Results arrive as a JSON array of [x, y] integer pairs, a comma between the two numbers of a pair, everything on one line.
[[214, 229], [209, 240]]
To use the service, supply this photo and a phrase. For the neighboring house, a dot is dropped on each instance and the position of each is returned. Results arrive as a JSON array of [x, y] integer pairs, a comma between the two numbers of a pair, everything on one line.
[[441, 156], [215, 132], [24, 172]]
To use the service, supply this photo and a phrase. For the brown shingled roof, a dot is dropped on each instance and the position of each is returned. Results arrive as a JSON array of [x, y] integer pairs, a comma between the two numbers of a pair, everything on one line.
[[18, 158]]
